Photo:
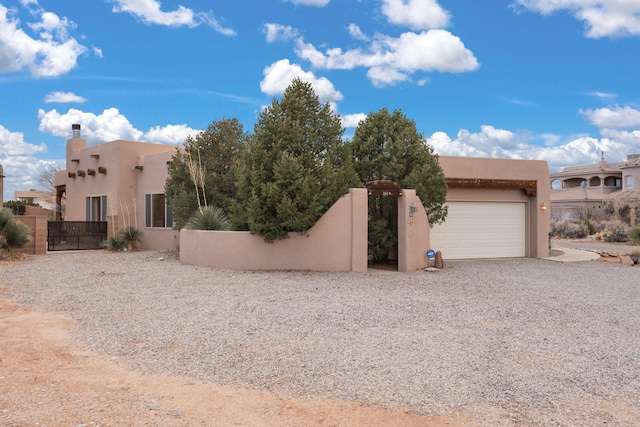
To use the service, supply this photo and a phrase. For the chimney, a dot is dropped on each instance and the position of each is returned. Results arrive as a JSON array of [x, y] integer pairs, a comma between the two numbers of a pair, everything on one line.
[[75, 128]]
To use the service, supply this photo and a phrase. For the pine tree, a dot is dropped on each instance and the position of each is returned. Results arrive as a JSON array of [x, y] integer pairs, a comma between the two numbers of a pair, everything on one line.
[[295, 167], [388, 146]]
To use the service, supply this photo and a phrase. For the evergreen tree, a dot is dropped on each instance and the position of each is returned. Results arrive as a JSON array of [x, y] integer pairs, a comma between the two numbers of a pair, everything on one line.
[[215, 151], [296, 165], [388, 146]]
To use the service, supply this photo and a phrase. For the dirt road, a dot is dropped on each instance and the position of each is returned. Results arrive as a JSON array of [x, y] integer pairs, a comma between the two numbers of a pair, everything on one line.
[[46, 381]]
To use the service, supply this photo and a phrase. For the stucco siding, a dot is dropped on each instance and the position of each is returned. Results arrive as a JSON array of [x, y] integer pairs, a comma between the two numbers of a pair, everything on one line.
[[335, 243]]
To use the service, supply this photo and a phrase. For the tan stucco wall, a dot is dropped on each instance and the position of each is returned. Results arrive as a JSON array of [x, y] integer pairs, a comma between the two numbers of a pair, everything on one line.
[[538, 220], [37, 234], [1, 186], [338, 242], [151, 180], [413, 233]]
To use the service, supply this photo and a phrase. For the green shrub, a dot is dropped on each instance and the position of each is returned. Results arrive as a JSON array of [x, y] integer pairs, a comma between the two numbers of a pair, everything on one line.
[[131, 235], [115, 243], [590, 226], [15, 235], [634, 235], [209, 218]]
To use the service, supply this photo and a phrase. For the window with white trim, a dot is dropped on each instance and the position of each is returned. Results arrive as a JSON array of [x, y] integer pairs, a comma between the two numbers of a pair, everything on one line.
[[96, 208], [628, 181], [157, 213]]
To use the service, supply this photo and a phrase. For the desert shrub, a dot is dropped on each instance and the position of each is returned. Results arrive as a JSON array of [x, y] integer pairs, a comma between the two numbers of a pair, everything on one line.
[[15, 235], [635, 256], [131, 235], [634, 235], [613, 231], [208, 218], [569, 230], [115, 243]]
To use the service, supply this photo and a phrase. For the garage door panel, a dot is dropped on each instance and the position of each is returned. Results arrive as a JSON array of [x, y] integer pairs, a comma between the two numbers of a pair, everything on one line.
[[481, 230]]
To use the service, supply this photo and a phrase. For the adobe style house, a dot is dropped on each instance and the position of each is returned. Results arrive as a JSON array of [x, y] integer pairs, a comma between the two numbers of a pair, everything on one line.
[[497, 208], [588, 186], [121, 182]]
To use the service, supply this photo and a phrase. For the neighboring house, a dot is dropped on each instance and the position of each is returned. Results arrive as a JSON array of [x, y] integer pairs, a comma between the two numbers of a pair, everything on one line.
[[591, 186], [43, 198], [121, 182], [497, 207]]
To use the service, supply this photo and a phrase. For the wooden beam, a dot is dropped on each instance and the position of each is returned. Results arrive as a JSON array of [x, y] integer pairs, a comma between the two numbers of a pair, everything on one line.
[[528, 186]]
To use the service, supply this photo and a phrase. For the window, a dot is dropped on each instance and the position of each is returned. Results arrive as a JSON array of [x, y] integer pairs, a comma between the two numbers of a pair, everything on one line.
[[628, 181], [96, 208], [157, 213]]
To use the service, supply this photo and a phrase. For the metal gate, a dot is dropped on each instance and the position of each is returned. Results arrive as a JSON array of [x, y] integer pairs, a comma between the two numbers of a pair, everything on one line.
[[75, 235]]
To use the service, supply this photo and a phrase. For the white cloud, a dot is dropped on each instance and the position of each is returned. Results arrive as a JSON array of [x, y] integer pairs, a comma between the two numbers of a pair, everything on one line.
[[357, 33], [13, 144], [108, 126], [602, 95], [148, 11], [170, 134], [319, 3], [616, 117], [391, 60], [97, 52], [603, 18], [49, 54], [19, 162], [278, 32], [416, 14], [500, 143], [280, 74], [63, 97], [352, 120]]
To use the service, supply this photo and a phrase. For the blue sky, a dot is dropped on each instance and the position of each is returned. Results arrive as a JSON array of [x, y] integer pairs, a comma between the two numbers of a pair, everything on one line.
[[555, 80]]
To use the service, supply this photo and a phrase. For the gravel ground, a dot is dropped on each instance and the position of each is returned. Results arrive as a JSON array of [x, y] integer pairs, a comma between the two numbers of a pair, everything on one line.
[[540, 342]]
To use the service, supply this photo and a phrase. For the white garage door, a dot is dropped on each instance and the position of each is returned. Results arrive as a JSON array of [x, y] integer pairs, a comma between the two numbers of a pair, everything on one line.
[[481, 230]]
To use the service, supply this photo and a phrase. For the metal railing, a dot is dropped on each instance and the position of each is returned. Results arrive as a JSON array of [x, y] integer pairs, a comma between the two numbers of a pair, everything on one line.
[[75, 235]]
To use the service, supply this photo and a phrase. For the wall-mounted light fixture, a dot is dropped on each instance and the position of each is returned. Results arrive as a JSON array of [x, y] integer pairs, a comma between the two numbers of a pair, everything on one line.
[[543, 206], [138, 167], [413, 208]]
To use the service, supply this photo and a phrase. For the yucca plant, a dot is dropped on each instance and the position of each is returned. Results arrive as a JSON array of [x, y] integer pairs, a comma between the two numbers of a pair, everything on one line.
[[131, 236], [209, 218], [15, 236], [115, 243], [5, 216]]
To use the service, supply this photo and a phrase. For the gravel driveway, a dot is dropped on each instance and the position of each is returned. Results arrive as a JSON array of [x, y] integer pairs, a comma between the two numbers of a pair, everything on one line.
[[523, 342]]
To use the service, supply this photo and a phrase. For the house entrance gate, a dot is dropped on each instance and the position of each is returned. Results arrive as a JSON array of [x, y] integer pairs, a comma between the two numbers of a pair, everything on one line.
[[75, 235]]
